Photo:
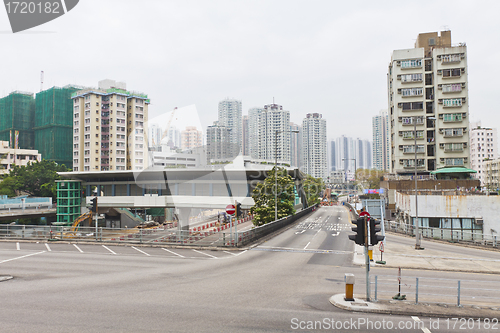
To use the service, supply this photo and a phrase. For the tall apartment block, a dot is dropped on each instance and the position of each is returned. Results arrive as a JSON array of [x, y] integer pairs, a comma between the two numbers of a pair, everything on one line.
[[244, 138], [295, 145], [218, 144], [274, 119], [427, 88], [363, 153], [483, 147], [314, 153], [17, 112], [253, 131], [230, 116], [109, 128], [191, 138], [381, 141], [333, 156]]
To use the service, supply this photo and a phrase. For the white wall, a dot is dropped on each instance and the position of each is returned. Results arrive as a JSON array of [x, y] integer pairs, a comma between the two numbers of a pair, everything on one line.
[[463, 206]]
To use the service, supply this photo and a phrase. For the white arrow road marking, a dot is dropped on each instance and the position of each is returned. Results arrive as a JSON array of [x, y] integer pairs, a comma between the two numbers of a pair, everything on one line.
[[299, 232], [336, 234]]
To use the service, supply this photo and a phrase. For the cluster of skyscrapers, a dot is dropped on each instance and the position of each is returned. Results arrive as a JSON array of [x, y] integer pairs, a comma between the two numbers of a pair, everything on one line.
[[266, 135]]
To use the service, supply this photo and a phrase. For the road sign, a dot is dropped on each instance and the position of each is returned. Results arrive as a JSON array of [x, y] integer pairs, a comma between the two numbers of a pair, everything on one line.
[[364, 213], [230, 209], [381, 247]]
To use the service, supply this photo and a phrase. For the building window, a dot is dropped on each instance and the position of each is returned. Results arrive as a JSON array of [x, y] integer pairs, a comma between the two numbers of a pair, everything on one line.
[[453, 102], [413, 63], [411, 92]]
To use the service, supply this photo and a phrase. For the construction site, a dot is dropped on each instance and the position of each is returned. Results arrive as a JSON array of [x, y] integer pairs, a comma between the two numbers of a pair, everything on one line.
[[17, 119], [53, 124]]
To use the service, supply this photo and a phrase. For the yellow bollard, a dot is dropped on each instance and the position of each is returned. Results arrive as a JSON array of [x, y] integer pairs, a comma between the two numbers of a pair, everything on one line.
[[349, 287]]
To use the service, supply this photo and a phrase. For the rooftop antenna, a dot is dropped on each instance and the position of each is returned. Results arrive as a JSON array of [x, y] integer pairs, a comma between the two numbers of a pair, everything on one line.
[[41, 81]]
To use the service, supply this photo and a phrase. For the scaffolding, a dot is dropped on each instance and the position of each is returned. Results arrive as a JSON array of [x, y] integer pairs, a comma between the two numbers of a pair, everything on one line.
[[54, 124], [17, 119]]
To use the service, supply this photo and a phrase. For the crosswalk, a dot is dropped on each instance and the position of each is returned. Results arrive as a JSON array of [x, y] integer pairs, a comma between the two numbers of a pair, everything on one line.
[[118, 250]]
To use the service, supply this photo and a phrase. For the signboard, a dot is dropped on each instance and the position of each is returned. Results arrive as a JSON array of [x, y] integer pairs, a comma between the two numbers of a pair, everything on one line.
[[373, 191], [230, 209]]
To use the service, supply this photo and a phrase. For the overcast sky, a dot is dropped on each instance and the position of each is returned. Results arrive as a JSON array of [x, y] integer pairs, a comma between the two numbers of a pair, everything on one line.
[[322, 56]]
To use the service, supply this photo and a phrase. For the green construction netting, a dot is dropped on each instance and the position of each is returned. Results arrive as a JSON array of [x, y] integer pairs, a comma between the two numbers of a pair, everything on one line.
[[54, 125], [17, 114]]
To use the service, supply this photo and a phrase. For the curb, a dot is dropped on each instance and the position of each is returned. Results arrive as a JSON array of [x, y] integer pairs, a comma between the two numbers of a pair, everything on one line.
[[432, 310]]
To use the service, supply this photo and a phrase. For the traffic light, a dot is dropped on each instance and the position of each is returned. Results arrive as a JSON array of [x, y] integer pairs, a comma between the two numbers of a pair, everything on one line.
[[374, 228], [238, 212], [94, 205], [359, 229]]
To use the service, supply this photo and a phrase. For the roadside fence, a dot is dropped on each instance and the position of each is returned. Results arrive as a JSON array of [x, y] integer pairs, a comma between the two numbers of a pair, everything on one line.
[[452, 235], [437, 290]]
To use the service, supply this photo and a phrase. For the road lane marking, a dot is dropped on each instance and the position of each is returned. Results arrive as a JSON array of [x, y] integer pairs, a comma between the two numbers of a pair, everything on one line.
[[18, 246], [300, 232], [338, 232], [230, 253], [107, 248], [307, 245], [78, 248], [205, 253], [140, 251], [28, 255], [177, 254], [48, 247], [242, 252], [425, 330]]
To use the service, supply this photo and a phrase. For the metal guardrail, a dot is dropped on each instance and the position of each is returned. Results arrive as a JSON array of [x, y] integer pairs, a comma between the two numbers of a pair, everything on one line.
[[437, 290], [209, 235], [453, 235]]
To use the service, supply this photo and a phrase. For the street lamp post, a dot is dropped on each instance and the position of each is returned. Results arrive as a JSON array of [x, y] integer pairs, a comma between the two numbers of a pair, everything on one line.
[[417, 228], [276, 171]]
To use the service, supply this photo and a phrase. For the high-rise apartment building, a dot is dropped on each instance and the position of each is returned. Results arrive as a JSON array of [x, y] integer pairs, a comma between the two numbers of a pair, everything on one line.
[[253, 131], [191, 138], [427, 88], [344, 154], [483, 147], [295, 145], [219, 148], [274, 136], [363, 153], [155, 135], [381, 141], [230, 116], [109, 128], [245, 139], [333, 156], [314, 153]]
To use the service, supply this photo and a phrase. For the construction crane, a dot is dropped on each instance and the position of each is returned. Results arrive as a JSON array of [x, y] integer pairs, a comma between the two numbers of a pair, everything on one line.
[[165, 132]]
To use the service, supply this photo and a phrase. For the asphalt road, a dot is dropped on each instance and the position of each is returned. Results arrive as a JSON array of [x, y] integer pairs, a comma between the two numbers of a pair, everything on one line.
[[283, 285]]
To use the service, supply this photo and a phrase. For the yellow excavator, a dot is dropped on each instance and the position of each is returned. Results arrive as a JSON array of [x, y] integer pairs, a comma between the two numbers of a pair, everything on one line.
[[78, 221]]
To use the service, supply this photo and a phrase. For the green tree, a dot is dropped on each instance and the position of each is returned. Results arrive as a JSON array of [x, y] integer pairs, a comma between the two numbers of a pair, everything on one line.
[[35, 179], [312, 188], [263, 195]]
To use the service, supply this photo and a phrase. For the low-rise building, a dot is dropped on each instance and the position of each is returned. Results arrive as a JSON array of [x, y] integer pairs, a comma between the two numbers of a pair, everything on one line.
[[11, 156]]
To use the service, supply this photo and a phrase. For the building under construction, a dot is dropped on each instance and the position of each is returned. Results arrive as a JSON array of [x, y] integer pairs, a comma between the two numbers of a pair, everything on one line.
[[17, 119], [53, 124]]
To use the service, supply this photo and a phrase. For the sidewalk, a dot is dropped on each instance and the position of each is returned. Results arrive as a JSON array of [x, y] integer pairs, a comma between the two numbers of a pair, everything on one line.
[[405, 256]]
